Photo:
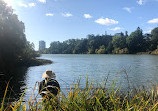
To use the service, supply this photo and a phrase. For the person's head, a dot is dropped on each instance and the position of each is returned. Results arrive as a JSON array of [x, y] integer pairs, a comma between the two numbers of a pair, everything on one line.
[[48, 74]]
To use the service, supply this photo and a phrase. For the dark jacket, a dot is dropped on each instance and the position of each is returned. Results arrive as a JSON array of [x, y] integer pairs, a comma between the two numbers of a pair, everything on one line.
[[49, 88]]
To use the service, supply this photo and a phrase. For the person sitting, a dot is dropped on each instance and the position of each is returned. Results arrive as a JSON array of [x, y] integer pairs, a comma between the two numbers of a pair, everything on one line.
[[49, 87]]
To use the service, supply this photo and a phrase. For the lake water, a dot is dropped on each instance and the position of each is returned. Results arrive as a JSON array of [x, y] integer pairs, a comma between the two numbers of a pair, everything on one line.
[[142, 70]]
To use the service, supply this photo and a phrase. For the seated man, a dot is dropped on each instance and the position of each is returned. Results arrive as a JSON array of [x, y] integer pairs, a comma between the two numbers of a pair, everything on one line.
[[49, 87]]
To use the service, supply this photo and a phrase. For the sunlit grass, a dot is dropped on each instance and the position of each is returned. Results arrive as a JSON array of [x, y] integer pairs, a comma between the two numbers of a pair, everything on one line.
[[92, 97]]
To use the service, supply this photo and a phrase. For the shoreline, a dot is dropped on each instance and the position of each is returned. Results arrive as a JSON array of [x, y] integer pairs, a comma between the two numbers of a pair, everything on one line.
[[37, 62], [25, 63], [154, 52], [139, 53]]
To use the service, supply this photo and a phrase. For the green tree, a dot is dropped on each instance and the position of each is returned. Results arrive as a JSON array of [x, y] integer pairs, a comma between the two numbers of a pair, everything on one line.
[[154, 33], [56, 47], [13, 43], [135, 41], [101, 50], [119, 42], [154, 39], [81, 47]]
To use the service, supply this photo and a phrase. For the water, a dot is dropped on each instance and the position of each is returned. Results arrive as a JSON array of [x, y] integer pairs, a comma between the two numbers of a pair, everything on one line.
[[141, 69]]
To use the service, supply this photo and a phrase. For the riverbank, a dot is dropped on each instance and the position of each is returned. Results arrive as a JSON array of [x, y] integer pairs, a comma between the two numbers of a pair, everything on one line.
[[118, 51], [155, 52], [7, 68], [35, 62], [91, 98]]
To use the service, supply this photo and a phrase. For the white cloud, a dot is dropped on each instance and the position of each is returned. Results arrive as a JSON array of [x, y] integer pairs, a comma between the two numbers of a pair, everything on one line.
[[67, 14], [9, 2], [23, 5], [49, 14], [32, 4], [128, 9], [116, 28], [43, 1], [140, 2], [87, 16], [27, 5], [153, 21], [106, 21]]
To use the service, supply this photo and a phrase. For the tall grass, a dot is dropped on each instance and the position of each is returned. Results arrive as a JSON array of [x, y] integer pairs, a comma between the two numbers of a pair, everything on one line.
[[92, 98]]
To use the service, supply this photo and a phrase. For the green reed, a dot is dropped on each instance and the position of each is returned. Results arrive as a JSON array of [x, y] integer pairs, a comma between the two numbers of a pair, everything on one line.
[[92, 98]]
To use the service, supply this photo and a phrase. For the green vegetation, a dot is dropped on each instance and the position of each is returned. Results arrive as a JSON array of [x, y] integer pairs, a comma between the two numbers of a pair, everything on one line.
[[120, 43], [15, 50], [91, 98]]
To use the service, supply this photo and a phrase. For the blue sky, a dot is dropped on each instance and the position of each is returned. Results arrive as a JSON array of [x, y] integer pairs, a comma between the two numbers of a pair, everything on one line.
[[59, 20]]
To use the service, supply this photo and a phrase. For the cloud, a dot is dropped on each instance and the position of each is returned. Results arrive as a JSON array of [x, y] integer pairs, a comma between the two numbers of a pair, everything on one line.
[[9, 2], [87, 16], [43, 1], [127, 9], [27, 5], [31, 4], [67, 14], [140, 2], [49, 14], [116, 28], [23, 5], [106, 21], [153, 21]]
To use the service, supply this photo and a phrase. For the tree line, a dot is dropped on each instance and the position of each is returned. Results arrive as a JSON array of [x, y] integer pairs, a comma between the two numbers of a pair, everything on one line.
[[14, 47], [120, 43]]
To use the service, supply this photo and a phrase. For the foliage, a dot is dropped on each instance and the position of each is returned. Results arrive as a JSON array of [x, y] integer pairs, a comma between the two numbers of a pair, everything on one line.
[[14, 48], [135, 41], [120, 43], [154, 33], [88, 45], [120, 51], [101, 50]]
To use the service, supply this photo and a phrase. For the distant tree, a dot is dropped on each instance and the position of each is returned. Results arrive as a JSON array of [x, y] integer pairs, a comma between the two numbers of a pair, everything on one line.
[[110, 48], [154, 33], [154, 38], [119, 42], [126, 33], [135, 41], [81, 47], [56, 47], [101, 50], [91, 36], [121, 34]]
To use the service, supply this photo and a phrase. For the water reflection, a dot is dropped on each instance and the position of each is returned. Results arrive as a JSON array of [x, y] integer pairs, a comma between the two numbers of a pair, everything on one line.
[[16, 77]]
